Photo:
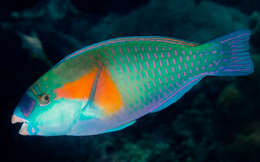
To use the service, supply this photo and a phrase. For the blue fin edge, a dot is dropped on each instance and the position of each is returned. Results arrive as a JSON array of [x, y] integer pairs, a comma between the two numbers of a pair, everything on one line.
[[120, 127]]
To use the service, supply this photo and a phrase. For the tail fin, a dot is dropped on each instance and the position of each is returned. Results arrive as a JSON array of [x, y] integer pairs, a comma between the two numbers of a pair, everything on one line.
[[234, 49]]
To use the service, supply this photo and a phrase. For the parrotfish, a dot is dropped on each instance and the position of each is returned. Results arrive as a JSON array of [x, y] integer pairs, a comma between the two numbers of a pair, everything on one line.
[[107, 86]]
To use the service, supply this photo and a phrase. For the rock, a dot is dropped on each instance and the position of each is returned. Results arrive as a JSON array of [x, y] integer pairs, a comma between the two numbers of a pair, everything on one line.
[[181, 19], [49, 9], [255, 27], [233, 112], [101, 7], [247, 145]]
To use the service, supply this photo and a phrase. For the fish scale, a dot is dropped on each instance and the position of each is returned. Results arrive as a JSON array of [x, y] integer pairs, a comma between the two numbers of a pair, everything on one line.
[[138, 56]]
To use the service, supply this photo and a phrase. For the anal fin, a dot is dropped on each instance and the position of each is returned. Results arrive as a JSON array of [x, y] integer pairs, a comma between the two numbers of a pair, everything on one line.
[[178, 94], [120, 127]]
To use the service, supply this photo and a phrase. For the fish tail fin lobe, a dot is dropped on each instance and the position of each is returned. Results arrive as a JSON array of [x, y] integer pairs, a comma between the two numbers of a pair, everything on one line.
[[234, 54]]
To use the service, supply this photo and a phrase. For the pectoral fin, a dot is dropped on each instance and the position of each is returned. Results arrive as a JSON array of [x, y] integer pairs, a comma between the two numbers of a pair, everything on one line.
[[93, 90]]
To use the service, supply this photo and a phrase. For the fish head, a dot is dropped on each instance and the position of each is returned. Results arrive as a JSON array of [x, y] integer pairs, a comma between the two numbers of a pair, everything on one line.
[[42, 113]]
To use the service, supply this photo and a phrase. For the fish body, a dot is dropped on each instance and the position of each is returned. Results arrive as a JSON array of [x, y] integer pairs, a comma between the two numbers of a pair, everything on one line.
[[105, 87]]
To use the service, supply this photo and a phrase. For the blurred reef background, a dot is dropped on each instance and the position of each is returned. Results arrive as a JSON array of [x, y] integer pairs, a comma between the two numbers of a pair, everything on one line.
[[217, 121]]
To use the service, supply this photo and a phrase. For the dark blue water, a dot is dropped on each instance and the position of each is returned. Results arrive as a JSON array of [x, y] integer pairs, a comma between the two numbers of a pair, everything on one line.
[[217, 121]]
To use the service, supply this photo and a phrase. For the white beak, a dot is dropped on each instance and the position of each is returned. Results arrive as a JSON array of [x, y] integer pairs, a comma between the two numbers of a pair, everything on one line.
[[23, 130]]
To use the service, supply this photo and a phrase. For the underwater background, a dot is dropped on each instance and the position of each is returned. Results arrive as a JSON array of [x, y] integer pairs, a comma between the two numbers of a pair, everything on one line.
[[217, 121]]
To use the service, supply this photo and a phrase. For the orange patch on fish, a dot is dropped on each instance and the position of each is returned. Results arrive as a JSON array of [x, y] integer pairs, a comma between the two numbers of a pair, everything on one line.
[[107, 95], [78, 89]]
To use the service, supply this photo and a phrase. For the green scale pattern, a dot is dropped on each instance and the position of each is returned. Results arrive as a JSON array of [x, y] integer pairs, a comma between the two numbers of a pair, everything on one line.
[[147, 71]]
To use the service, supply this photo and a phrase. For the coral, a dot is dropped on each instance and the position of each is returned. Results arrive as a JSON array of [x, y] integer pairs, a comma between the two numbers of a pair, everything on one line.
[[182, 19], [100, 7], [246, 145], [233, 111], [250, 84]]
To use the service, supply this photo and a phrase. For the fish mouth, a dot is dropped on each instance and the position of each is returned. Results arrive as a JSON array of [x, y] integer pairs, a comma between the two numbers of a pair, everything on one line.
[[23, 131]]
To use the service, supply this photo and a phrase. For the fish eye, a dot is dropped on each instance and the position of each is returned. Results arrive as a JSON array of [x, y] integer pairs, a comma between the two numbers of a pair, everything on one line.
[[44, 99]]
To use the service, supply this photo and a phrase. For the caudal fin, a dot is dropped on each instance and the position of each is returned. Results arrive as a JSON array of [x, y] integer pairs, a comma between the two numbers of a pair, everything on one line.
[[234, 50]]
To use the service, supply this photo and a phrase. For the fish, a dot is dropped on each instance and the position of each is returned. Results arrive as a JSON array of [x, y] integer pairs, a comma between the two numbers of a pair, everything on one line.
[[34, 46], [107, 86]]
